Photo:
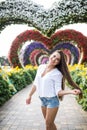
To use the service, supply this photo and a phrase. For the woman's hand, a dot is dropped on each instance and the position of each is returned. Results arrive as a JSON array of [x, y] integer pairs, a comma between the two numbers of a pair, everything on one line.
[[75, 91], [33, 89], [28, 100]]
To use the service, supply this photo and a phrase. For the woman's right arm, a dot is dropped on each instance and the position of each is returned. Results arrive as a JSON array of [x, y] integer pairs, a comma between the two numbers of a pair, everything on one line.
[[32, 91], [33, 88]]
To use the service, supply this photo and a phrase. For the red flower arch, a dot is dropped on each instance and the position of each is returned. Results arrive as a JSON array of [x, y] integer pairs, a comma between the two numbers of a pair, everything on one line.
[[63, 35]]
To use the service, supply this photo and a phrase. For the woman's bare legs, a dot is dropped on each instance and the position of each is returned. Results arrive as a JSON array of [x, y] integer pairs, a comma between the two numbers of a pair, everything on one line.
[[49, 115]]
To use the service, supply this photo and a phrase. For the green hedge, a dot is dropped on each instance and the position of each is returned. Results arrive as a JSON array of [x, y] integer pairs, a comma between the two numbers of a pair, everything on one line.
[[5, 92], [14, 81], [79, 75]]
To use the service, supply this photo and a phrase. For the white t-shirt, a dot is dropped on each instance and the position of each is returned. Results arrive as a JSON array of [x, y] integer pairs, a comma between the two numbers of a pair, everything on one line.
[[50, 84]]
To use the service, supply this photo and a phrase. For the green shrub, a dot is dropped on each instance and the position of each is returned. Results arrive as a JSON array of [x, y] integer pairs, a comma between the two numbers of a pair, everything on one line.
[[5, 92], [80, 77], [14, 80], [18, 81]]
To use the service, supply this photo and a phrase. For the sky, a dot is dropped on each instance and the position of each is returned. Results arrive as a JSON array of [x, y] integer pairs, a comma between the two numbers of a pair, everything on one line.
[[12, 31]]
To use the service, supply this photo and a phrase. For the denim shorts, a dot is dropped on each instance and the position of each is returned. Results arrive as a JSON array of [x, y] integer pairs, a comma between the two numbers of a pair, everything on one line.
[[49, 102]]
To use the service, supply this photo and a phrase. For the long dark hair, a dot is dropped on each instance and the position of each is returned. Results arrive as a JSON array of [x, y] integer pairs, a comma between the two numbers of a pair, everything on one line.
[[62, 66]]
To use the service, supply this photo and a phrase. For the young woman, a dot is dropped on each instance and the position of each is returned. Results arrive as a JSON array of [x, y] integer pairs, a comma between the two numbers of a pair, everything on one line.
[[49, 82]]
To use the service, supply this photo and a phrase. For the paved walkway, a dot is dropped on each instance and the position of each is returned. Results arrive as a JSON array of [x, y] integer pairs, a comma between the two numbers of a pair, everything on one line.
[[16, 115]]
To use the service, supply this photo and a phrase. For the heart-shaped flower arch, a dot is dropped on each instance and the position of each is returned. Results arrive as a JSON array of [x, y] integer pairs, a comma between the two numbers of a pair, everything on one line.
[[75, 37], [47, 21]]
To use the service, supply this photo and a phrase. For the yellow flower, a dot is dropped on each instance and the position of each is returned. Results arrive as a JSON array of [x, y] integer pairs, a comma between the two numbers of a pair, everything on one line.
[[8, 73], [86, 77]]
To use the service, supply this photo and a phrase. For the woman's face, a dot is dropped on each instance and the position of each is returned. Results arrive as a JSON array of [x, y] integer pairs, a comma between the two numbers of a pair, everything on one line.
[[54, 58]]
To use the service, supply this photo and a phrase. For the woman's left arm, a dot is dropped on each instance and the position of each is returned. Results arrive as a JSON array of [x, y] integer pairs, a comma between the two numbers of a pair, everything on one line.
[[65, 92]]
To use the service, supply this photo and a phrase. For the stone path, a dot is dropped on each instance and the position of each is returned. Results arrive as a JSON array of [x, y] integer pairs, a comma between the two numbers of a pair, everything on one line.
[[16, 115]]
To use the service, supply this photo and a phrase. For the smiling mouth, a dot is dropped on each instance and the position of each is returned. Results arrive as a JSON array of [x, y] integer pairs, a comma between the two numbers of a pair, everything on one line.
[[53, 61]]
